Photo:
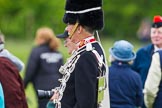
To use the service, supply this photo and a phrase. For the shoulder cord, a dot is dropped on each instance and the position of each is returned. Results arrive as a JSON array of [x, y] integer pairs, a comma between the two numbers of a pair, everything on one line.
[[106, 67], [106, 64], [99, 42], [102, 84], [66, 71], [102, 77], [100, 61]]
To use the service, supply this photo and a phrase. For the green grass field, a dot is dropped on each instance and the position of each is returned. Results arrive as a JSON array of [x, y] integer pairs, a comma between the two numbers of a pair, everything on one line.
[[22, 48]]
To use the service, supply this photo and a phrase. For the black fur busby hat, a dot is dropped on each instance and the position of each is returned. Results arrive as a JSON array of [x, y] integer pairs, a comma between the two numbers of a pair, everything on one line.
[[86, 12]]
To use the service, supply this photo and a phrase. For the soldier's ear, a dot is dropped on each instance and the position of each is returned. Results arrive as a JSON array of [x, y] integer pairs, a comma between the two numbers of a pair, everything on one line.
[[80, 29]]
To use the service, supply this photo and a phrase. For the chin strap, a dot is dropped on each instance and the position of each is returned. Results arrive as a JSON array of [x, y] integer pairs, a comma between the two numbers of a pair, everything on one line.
[[73, 30]]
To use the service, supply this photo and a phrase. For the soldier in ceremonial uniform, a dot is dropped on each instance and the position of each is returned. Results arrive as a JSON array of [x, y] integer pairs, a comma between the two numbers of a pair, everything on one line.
[[84, 72]]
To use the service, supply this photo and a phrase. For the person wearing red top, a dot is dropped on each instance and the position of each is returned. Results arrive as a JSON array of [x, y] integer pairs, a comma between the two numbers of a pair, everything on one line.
[[13, 87]]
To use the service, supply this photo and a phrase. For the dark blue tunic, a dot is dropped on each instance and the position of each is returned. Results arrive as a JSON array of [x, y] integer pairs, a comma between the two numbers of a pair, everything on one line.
[[81, 89]]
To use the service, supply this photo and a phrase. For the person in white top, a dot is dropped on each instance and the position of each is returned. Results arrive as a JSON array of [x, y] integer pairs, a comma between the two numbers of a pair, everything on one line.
[[152, 88], [153, 84]]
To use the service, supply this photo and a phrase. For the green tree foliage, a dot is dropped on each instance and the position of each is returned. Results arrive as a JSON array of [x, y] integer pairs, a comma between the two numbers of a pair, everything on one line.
[[21, 18], [123, 17]]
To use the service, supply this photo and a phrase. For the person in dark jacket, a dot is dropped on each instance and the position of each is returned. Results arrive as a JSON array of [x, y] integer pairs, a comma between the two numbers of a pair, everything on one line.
[[86, 66], [44, 63], [13, 87], [153, 84], [125, 84], [144, 55]]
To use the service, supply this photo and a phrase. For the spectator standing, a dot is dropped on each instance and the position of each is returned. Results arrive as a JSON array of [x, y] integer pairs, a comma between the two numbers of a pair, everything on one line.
[[153, 84], [13, 87], [44, 63], [144, 54], [125, 84]]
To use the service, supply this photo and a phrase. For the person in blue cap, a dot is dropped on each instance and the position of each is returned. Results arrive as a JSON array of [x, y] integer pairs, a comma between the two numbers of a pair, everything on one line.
[[1, 97], [125, 84]]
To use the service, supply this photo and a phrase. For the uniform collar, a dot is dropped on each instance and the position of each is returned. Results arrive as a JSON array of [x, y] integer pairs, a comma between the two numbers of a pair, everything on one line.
[[85, 41]]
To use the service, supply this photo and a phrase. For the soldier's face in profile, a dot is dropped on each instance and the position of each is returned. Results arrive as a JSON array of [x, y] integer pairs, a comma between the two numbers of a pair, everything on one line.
[[73, 32], [69, 28], [72, 40]]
